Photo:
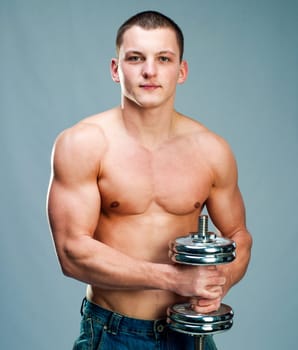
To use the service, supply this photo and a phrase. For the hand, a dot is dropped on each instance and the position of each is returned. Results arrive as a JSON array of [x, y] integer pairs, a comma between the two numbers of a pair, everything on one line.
[[205, 284], [205, 306]]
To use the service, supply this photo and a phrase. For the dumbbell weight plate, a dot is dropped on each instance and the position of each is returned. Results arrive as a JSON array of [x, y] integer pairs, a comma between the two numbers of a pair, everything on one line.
[[188, 250], [183, 319]]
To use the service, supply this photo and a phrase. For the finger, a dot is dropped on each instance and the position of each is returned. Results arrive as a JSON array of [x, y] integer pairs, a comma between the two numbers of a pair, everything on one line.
[[217, 281], [206, 306], [216, 289], [194, 301], [211, 267], [171, 245], [202, 302], [211, 293], [207, 302], [205, 309]]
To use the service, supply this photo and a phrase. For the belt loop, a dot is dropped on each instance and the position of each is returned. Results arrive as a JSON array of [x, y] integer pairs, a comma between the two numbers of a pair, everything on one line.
[[114, 323], [82, 306]]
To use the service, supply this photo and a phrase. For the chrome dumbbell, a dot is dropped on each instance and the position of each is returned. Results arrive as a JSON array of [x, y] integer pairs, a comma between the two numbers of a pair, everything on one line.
[[201, 248]]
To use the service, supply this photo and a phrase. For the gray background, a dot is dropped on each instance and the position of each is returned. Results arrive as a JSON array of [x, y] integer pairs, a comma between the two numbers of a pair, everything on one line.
[[54, 69]]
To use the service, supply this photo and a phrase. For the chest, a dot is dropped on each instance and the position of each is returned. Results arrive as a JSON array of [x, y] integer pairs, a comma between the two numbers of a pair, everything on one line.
[[174, 178]]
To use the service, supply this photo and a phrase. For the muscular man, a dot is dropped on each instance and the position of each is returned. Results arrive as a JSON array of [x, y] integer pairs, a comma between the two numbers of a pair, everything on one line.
[[128, 181]]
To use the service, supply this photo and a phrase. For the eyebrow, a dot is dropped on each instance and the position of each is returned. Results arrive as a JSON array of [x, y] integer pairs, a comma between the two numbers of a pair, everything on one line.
[[163, 52], [132, 52], [167, 52]]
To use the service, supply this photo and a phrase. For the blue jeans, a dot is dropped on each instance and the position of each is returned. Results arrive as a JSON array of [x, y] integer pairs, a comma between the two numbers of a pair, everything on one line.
[[102, 329]]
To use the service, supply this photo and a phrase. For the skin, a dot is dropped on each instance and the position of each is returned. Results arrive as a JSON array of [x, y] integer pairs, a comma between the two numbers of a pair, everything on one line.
[[128, 181]]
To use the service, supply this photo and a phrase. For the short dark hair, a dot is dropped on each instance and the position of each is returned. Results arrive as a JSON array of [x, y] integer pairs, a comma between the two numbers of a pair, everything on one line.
[[150, 20]]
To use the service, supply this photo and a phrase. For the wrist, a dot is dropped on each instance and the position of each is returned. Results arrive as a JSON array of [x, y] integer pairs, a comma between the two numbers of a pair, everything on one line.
[[164, 277]]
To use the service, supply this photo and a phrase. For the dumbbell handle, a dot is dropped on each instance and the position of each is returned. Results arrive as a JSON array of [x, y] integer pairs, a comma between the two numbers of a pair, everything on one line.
[[199, 342], [202, 233]]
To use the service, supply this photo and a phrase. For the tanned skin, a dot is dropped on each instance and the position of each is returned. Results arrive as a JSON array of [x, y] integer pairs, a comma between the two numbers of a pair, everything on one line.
[[128, 181]]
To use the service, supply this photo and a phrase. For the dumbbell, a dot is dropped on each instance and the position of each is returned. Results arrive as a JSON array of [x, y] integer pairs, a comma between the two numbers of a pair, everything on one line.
[[201, 248]]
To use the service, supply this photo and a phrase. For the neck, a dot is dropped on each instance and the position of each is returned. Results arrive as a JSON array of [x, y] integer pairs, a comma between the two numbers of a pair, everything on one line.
[[150, 126]]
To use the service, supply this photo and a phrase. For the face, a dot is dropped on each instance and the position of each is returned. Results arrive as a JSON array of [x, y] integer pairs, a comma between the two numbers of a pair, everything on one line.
[[148, 67]]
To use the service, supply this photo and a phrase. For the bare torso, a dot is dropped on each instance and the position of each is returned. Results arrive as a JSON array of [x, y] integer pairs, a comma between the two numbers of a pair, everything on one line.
[[148, 198]]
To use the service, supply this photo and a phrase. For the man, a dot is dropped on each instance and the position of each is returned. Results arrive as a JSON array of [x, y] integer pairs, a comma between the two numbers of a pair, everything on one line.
[[128, 181]]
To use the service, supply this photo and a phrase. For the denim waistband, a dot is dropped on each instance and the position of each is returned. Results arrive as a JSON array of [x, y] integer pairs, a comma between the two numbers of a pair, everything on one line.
[[114, 322]]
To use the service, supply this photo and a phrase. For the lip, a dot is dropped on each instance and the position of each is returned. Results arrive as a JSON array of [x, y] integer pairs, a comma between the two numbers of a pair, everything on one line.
[[149, 86]]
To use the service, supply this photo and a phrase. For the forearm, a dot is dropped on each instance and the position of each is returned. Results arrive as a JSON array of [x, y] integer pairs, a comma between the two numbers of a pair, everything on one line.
[[95, 263], [236, 270]]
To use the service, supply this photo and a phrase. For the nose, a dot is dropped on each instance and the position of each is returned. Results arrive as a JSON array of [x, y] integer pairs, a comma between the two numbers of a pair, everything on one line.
[[149, 69]]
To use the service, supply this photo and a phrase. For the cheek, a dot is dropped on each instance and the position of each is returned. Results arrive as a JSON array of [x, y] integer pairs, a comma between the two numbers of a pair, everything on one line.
[[124, 80], [121, 75], [171, 81], [126, 76], [172, 76], [127, 82]]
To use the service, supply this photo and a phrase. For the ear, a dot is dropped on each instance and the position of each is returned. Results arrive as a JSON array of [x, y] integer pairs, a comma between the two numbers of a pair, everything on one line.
[[114, 70], [183, 72]]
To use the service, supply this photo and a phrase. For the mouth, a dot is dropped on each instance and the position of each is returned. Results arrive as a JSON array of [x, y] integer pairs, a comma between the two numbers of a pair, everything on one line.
[[149, 86]]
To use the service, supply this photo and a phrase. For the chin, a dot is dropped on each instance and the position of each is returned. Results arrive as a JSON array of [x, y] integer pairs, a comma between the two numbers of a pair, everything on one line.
[[149, 103], [146, 102]]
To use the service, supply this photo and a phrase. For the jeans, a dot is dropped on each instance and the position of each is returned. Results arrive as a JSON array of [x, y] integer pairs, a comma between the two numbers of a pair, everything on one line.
[[102, 329]]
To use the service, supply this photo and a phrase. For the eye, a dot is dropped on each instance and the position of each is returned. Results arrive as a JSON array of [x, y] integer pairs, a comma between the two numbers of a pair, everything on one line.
[[164, 59], [134, 58]]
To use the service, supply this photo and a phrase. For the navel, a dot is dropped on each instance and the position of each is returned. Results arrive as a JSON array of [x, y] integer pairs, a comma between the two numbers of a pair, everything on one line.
[[114, 204]]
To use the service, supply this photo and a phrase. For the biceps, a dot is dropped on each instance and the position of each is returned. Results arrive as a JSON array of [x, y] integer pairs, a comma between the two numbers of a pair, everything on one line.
[[73, 211], [226, 209]]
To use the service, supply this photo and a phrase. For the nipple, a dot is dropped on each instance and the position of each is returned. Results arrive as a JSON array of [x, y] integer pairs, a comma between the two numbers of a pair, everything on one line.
[[114, 204]]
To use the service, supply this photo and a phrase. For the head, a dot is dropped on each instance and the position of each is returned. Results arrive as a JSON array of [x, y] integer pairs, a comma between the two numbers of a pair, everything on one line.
[[150, 20]]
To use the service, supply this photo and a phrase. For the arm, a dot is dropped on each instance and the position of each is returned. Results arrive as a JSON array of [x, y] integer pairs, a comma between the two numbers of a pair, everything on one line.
[[74, 205], [226, 208]]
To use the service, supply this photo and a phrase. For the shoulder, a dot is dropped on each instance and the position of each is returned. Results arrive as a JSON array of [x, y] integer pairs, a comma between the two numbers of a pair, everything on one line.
[[88, 134], [82, 146], [206, 138], [220, 158], [79, 140], [214, 149]]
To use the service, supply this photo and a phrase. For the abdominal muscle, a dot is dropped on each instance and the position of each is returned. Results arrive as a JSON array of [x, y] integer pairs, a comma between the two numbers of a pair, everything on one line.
[[139, 304], [149, 242]]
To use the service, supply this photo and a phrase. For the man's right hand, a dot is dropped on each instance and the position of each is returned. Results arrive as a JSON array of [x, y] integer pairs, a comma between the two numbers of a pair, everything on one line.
[[204, 284]]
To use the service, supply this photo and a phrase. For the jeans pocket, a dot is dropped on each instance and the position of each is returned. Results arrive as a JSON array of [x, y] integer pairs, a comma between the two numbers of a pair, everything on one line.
[[84, 341], [90, 335], [98, 332]]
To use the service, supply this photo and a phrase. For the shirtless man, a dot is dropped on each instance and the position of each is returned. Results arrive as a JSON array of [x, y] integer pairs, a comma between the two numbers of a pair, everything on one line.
[[128, 181]]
